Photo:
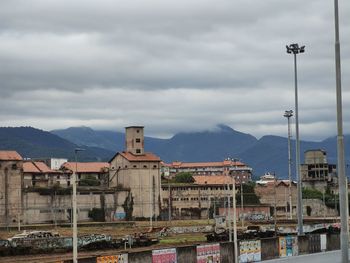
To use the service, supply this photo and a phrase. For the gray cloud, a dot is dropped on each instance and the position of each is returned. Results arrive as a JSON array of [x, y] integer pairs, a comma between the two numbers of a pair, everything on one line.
[[171, 66]]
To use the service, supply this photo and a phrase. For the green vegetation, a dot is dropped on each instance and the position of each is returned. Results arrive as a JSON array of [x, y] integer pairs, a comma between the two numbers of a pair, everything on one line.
[[184, 177], [249, 196], [331, 200], [97, 215], [89, 180], [128, 206], [182, 239]]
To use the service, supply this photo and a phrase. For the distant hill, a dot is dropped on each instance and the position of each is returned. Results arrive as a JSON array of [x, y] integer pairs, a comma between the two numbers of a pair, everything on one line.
[[204, 146], [268, 154], [35, 143]]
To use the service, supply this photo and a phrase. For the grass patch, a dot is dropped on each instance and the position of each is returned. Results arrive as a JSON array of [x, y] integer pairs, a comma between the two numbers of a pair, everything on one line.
[[183, 239]]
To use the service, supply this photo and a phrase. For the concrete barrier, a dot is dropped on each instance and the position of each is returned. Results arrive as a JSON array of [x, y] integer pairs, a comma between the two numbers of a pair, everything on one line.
[[314, 243], [303, 245], [307, 244], [186, 254], [140, 257], [333, 242], [269, 248], [227, 252]]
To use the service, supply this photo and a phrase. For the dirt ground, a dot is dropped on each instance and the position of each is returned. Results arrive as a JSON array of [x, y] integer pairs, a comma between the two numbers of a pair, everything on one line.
[[115, 230]]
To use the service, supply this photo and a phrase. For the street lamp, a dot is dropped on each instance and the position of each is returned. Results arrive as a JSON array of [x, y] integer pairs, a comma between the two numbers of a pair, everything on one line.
[[288, 114], [295, 49], [75, 227], [343, 193]]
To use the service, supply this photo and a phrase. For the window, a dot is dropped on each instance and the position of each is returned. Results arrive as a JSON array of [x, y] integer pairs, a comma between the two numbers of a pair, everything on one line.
[[145, 166], [137, 131], [154, 166], [138, 150], [134, 166], [138, 140]]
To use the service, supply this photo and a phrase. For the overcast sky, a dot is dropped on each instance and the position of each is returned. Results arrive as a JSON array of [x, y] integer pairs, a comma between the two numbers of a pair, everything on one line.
[[171, 66]]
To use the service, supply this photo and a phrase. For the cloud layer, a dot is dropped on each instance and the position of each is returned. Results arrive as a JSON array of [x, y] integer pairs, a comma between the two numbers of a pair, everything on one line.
[[171, 65]]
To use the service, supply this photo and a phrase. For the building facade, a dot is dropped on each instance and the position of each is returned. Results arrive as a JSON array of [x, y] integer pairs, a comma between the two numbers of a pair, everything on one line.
[[239, 170], [11, 181], [317, 173], [138, 171]]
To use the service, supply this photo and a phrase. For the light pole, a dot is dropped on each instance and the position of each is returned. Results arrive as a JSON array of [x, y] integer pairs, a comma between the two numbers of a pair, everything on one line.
[[75, 227], [235, 245], [295, 49], [288, 114], [242, 206], [343, 193]]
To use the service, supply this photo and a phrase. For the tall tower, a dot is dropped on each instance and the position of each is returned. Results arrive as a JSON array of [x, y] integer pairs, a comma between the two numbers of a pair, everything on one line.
[[134, 140]]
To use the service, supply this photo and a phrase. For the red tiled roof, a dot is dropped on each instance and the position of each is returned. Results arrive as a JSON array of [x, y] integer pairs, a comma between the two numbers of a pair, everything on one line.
[[92, 167], [212, 179], [146, 157], [29, 167], [43, 167], [36, 167], [10, 156], [205, 164]]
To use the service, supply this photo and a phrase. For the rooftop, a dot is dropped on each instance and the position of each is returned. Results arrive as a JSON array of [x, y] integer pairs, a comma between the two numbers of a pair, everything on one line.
[[10, 156], [36, 167], [146, 157], [91, 167], [226, 163], [212, 179]]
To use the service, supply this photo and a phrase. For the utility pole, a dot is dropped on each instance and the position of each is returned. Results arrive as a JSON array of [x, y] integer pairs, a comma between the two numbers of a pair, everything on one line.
[[242, 211], [229, 212], [169, 202], [275, 208], [288, 114], [75, 226], [343, 193], [234, 219]]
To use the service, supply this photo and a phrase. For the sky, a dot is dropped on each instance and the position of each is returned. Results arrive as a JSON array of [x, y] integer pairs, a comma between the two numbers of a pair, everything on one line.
[[172, 66]]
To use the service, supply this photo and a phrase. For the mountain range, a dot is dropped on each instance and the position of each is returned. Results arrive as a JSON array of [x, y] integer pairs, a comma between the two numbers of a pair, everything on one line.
[[267, 154]]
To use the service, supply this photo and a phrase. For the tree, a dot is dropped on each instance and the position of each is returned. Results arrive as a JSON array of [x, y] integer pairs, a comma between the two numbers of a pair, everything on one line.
[[184, 177], [89, 180], [249, 195]]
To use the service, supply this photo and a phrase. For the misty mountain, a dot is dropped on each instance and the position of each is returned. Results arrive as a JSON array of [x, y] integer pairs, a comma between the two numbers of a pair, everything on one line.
[[203, 146], [268, 154], [34, 143]]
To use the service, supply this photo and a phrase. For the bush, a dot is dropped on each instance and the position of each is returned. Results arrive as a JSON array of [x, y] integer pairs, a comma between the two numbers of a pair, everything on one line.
[[184, 177], [97, 214], [89, 180]]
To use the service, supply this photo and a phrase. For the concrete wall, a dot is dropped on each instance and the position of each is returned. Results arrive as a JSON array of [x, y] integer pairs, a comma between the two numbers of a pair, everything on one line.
[[333, 241], [141, 257], [269, 248], [303, 245], [318, 209], [186, 254], [227, 252], [50, 208]]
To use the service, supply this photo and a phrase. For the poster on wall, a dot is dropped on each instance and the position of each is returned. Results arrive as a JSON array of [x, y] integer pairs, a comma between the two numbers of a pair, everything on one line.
[[164, 255], [282, 247], [121, 258], [250, 251], [323, 238], [208, 253], [291, 246]]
